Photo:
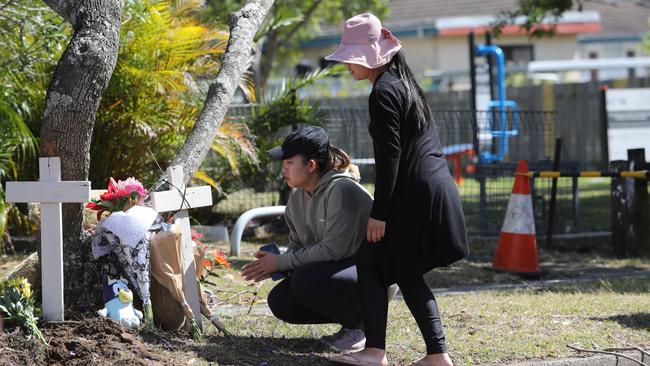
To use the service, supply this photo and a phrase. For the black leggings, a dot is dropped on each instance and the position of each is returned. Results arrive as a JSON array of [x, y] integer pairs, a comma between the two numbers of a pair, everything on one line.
[[319, 293], [416, 294]]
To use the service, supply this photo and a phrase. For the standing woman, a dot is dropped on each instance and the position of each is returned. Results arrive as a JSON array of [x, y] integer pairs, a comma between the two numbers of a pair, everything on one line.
[[417, 222]]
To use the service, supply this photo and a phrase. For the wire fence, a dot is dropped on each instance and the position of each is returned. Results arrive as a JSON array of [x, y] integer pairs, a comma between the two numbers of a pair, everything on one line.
[[482, 153]]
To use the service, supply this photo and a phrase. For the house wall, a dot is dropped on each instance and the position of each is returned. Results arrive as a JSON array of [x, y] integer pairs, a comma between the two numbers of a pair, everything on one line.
[[451, 54], [611, 48]]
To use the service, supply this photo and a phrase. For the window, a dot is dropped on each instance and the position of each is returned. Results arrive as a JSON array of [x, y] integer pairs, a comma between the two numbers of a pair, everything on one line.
[[518, 54]]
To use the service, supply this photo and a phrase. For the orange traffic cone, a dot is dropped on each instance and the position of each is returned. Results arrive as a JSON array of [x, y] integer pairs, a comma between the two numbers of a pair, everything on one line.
[[517, 248]]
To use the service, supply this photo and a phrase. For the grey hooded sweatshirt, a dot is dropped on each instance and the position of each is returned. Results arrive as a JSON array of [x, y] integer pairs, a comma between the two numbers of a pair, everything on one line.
[[328, 224]]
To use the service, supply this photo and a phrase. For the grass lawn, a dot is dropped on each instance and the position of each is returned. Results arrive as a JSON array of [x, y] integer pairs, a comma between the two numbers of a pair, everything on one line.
[[481, 327], [531, 324], [243, 200], [484, 327], [593, 210], [477, 270]]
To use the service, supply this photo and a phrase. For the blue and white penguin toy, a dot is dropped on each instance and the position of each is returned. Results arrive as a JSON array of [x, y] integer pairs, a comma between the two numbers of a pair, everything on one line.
[[118, 303]]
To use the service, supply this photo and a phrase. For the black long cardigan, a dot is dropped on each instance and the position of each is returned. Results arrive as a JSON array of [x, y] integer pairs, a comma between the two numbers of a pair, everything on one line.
[[414, 192]]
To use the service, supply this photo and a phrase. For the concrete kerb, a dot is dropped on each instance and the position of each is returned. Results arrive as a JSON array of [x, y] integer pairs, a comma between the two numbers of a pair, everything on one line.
[[596, 360], [541, 284]]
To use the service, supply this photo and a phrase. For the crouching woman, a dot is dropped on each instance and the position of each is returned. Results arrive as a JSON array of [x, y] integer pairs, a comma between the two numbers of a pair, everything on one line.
[[327, 215]]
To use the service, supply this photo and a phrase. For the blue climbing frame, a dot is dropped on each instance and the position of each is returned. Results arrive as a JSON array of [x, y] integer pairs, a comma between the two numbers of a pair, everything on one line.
[[498, 109]]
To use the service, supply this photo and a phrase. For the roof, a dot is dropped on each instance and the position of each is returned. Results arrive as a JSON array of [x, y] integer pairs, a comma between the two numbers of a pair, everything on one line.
[[621, 17], [617, 17], [571, 22], [418, 10]]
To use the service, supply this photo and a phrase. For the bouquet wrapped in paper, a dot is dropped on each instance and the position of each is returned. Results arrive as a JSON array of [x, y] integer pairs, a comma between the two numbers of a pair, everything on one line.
[[124, 232]]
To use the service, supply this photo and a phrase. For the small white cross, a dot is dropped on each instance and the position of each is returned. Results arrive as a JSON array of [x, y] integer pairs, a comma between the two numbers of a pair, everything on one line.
[[50, 192], [172, 200]]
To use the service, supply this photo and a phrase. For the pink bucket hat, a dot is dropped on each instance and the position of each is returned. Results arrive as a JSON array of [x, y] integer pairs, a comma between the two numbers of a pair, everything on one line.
[[365, 42]]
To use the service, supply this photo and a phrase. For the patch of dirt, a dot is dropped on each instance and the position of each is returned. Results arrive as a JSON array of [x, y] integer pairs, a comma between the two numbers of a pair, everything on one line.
[[93, 341], [263, 350]]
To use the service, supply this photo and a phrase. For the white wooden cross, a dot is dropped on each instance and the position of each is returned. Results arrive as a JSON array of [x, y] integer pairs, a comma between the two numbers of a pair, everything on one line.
[[50, 191], [172, 200]]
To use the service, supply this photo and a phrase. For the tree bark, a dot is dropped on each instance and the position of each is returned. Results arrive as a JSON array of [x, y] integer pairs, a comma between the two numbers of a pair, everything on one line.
[[72, 100], [243, 26]]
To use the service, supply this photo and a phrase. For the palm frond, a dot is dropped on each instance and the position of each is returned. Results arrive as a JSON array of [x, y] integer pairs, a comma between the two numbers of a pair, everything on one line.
[[241, 137], [154, 96], [17, 143], [290, 86], [223, 147], [282, 17], [7, 164], [203, 176], [247, 82]]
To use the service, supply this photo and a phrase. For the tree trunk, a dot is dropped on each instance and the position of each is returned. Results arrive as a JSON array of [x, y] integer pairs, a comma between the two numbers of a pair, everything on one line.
[[266, 61], [243, 26], [275, 41], [72, 100]]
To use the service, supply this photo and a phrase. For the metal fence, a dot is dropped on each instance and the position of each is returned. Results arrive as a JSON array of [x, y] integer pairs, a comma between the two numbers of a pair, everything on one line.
[[459, 131], [485, 187]]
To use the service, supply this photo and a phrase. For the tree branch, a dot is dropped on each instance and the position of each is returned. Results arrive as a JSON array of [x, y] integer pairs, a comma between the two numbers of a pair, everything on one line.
[[607, 353], [243, 26], [643, 352], [304, 20], [65, 8]]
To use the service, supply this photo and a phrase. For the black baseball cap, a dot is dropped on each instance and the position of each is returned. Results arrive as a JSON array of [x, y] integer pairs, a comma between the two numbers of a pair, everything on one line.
[[308, 140]]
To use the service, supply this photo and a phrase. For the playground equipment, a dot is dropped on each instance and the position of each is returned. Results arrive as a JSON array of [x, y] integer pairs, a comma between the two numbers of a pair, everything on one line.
[[497, 108], [242, 221]]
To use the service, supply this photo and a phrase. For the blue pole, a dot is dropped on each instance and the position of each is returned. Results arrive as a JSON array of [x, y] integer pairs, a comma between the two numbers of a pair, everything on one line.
[[483, 50]]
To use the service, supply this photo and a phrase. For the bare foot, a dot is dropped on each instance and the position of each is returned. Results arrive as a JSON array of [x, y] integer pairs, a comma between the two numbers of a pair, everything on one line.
[[438, 359]]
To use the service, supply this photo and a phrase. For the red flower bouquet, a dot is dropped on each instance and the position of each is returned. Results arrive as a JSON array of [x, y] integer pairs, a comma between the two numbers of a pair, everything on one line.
[[121, 196]]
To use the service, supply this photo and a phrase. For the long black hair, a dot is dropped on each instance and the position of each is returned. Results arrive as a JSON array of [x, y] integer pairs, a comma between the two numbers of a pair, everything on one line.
[[414, 94]]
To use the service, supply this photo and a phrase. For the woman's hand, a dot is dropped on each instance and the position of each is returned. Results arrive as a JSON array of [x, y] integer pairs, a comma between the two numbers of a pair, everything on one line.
[[376, 230], [262, 268]]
